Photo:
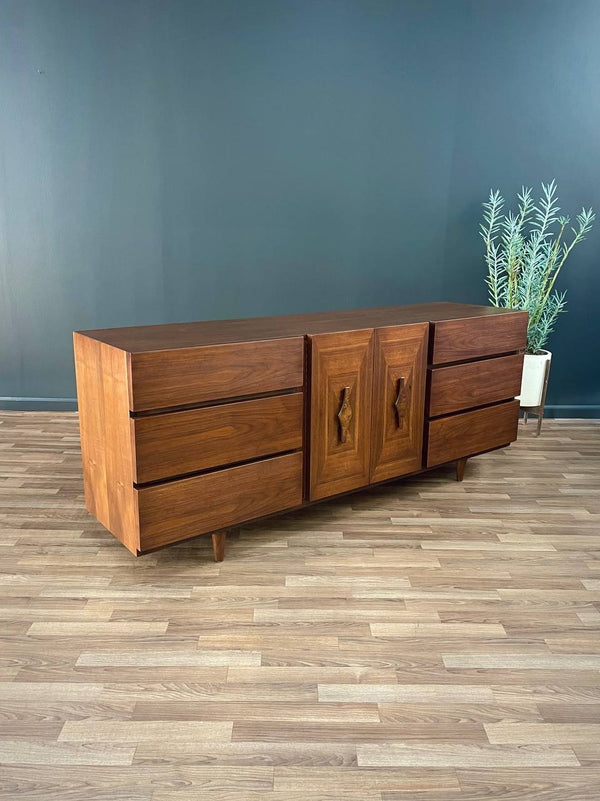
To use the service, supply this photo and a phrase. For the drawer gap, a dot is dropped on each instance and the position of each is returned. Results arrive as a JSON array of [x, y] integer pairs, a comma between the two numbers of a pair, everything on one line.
[[487, 358], [471, 409], [161, 481], [187, 407]]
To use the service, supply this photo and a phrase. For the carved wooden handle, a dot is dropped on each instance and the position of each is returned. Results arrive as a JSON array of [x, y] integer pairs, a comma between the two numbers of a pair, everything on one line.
[[344, 414], [399, 388]]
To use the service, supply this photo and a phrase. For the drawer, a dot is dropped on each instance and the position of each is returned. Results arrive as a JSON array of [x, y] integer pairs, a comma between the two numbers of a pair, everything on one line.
[[463, 386], [175, 443], [164, 378], [201, 504], [474, 337], [470, 433]]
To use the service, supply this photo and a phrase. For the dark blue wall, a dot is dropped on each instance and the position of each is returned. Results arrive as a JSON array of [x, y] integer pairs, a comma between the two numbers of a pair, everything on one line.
[[528, 110], [175, 160]]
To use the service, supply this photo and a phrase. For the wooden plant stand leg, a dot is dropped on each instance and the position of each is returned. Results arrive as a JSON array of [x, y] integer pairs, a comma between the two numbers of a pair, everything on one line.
[[218, 543], [460, 468], [538, 410], [543, 401]]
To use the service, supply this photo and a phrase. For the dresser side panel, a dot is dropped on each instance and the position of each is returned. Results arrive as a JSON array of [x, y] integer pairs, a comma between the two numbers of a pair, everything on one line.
[[102, 374]]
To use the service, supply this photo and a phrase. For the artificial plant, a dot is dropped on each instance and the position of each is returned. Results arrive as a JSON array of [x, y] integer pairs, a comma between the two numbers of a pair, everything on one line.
[[525, 252]]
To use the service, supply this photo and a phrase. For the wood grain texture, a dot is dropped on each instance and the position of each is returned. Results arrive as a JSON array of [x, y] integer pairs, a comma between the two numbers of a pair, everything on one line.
[[341, 367], [172, 444], [473, 432], [102, 374], [398, 405], [193, 375], [464, 386], [422, 640], [144, 338], [474, 337], [197, 505]]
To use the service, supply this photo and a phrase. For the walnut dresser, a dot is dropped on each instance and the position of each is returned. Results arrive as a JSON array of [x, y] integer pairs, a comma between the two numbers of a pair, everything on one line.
[[195, 428]]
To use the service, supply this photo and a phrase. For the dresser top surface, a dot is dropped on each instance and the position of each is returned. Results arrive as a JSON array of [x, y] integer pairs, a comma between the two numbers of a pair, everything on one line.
[[143, 338]]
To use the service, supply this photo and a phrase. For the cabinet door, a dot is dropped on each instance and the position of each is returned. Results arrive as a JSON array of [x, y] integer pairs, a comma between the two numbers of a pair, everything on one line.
[[340, 411], [400, 368]]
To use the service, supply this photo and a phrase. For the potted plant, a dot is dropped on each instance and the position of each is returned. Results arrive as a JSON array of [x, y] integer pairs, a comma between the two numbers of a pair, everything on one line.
[[525, 252]]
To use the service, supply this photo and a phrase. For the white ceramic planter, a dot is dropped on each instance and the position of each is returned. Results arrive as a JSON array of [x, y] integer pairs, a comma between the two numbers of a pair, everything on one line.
[[532, 383]]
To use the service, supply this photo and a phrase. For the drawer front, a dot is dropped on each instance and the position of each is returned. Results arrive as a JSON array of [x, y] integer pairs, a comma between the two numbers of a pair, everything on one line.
[[472, 432], [463, 386], [164, 378], [175, 443], [181, 509], [474, 337]]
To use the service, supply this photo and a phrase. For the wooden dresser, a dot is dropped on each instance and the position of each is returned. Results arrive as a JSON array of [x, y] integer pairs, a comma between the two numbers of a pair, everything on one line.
[[195, 428]]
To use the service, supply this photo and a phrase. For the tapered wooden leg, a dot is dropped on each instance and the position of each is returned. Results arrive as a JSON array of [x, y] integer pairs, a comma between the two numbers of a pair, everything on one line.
[[218, 542], [525, 417], [460, 468]]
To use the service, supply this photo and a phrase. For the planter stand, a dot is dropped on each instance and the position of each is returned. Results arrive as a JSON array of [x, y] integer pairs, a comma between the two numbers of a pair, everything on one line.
[[538, 410]]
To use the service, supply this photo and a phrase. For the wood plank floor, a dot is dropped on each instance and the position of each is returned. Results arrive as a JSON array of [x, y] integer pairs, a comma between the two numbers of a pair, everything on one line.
[[425, 640]]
